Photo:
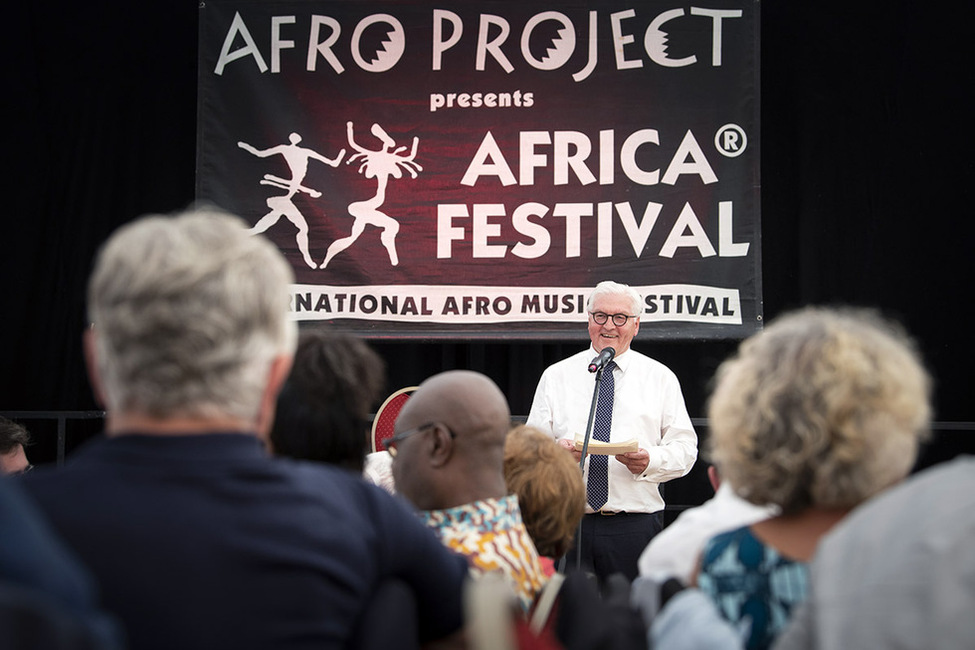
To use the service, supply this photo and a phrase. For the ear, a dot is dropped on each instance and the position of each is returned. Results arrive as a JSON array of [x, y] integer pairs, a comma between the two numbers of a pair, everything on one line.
[[443, 446], [277, 374], [89, 348], [713, 477]]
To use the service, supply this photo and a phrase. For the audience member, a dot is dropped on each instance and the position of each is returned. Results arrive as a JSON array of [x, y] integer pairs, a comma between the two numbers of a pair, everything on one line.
[[448, 460], [48, 601], [13, 441], [675, 551], [639, 400], [549, 487], [323, 410], [898, 572], [198, 537], [379, 470], [816, 414], [570, 612]]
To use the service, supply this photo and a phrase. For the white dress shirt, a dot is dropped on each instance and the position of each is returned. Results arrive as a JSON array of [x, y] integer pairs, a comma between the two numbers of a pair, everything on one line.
[[648, 406], [674, 552], [378, 470]]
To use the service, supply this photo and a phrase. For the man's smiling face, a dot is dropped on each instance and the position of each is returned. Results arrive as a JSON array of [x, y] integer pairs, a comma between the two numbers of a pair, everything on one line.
[[609, 334]]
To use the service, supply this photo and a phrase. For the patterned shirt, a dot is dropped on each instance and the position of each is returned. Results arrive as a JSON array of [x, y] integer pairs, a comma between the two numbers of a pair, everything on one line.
[[492, 536], [752, 584]]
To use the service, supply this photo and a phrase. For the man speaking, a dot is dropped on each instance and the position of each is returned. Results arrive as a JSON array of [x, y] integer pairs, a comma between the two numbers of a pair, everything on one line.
[[639, 402]]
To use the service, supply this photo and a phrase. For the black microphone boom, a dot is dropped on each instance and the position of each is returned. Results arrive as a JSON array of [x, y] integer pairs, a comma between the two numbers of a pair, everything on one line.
[[605, 356]]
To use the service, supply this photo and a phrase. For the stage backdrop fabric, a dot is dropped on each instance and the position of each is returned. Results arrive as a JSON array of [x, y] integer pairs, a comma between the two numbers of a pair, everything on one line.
[[473, 172]]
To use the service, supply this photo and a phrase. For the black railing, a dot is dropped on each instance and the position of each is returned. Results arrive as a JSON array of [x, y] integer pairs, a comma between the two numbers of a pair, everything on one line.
[[61, 418], [950, 439]]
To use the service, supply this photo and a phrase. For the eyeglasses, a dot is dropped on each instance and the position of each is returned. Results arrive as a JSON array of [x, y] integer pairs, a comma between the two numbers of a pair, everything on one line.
[[25, 470], [619, 320], [390, 443]]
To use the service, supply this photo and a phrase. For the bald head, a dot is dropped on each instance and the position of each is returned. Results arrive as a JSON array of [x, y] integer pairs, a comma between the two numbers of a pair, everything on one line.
[[467, 402], [459, 456]]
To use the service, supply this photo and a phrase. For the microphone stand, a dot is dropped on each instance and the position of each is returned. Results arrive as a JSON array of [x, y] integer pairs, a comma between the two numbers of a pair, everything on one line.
[[582, 465]]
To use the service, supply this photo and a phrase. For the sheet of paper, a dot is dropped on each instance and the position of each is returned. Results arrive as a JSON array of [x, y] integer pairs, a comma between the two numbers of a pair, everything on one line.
[[608, 448]]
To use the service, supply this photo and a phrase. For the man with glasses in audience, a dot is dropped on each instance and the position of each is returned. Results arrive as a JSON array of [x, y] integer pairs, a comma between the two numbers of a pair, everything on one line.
[[639, 400], [448, 460]]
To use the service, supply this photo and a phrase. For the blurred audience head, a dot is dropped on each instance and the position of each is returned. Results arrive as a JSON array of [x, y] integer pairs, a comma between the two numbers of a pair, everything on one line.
[[448, 444], [549, 487], [825, 407], [14, 440], [188, 313], [323, 409]]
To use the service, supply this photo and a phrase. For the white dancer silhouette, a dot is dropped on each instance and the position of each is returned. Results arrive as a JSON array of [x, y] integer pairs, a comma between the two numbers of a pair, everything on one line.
[[283, 205], [379, 164]]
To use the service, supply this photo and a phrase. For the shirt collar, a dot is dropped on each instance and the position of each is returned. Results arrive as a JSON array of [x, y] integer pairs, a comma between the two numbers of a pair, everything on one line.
[[209, 447], [622, 359]]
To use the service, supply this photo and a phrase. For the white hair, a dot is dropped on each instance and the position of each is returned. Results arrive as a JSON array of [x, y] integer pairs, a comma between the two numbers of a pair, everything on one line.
[[188, 313], [610, 288]]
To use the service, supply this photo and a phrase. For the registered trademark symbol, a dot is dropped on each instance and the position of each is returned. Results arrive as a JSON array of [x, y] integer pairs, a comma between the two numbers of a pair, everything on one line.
[[730, 140]]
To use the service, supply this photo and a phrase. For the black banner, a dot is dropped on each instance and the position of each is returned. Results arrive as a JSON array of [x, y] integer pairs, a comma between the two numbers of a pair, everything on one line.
[[475, 171]]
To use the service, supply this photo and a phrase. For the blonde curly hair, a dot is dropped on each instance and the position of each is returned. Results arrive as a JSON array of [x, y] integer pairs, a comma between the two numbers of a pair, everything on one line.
[[548, 483], [826, 407]]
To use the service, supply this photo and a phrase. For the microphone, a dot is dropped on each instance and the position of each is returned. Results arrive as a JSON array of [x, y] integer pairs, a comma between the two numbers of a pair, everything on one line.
[[600, 361]]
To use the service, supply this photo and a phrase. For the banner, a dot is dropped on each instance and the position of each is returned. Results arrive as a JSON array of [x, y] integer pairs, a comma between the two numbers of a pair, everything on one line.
[[473, 172]]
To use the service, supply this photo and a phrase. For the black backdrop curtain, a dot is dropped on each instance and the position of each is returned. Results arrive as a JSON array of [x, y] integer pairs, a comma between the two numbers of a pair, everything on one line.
[[866, 174]]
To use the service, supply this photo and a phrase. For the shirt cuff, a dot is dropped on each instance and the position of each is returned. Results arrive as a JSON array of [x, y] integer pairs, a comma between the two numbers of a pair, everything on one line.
[[651, 468]]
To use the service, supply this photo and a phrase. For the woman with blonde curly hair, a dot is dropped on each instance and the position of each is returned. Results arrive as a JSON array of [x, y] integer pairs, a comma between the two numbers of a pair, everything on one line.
[[816, 414], [549, 486]]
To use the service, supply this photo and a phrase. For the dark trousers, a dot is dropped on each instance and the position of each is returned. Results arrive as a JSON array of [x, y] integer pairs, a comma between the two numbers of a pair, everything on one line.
[[613, 543]]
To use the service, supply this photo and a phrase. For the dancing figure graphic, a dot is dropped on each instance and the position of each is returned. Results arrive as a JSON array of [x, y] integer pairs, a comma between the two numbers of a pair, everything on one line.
[[283, 205], [379, 164]]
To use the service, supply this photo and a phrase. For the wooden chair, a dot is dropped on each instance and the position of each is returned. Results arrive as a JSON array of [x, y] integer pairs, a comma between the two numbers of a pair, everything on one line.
[[382, 423]]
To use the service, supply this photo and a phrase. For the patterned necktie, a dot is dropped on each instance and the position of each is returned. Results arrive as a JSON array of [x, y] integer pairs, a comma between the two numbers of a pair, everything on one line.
[[597, 482]]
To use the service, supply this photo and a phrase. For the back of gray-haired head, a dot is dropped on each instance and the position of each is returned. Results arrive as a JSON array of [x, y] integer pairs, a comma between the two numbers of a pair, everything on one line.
[[610, 288], [188, 313], [825, 407]]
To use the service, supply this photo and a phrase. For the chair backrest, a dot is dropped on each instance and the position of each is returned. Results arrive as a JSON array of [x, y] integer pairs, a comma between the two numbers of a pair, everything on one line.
[[382, 424]]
